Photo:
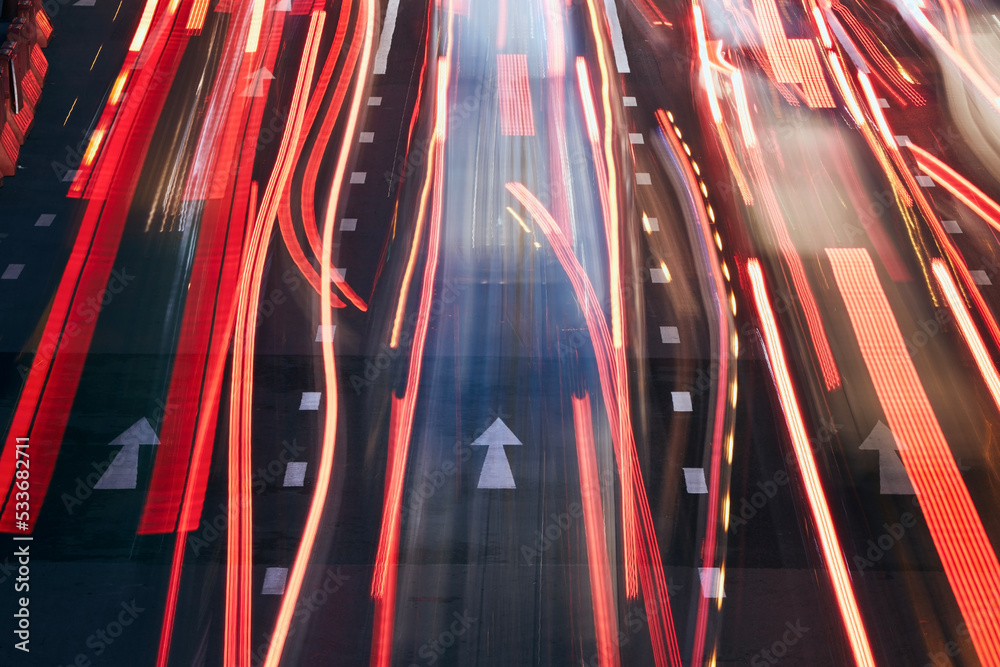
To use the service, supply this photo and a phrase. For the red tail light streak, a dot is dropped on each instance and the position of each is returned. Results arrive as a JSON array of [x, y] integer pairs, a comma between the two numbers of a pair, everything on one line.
[[605, 617], [401, 427], [366, 19], [958, 186], [833, 554], [643, 556], [972, 338], [969, 561], [516, 116]]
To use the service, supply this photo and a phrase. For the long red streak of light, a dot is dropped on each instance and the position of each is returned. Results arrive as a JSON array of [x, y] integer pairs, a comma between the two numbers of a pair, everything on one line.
[[209, 310], [297, 573], [384, 579], [240, 534], [955, 526], [43, 407], [958, 186], [833, 554], [614, 387], [516, 116], [605, 619], [972, 338]]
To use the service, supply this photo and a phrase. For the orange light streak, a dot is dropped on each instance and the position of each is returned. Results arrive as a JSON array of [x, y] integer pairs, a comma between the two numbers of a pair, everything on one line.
[[845, 89], [876, 111], [743, 110], [256, 21], [833, 554], [95, 143], [969, 331], [116, 90], [824, 32], [196, 17], [142, 31], [966, 554]]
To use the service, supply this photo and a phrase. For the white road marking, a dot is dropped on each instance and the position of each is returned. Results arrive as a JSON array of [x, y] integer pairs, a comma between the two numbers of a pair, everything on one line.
[[670, 335], [123, 472], [643, 178], [367, 137], [496, 472], [12, 272], [635, 138], [45, 220], [358, 177], [69, 176], [385, 39], [324, 334], [374, 101], [694, 479], [310, 400], [710, 582], [658, 275], [951, 226], [902, 140], [629, 101], [925, 181], [617, 39], [274, 581], [295, 473], [681, 400], [980, 277], [348, 224], [883, 103], [893, 479]]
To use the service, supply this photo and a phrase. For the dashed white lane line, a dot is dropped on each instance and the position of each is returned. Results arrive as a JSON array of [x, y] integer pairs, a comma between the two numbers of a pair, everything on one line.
[[295, 473], [274, 581], [45, 220], [883, 103], [69, 176], [694, 479], [12, 272], [658, 275], [374, 101], [951, 226], [358, 177], [629, 101], [902, 140], [670, 335], [385, 39], [925, 181], [326, 333], [635, 138], [348, 224], [310, 400], [681, 400], [643, 178], [617, 39], [710, 582], [85, 3], [367, 137], [980, 277], [651, 224]]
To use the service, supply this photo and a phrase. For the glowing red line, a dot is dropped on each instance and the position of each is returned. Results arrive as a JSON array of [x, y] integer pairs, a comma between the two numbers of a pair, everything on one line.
[[833, 554], [962, 544], [972, 338], [614, 387], [958, 186], [605, 619], [516, 116], [773, 34], [814, 87], [297, 573]]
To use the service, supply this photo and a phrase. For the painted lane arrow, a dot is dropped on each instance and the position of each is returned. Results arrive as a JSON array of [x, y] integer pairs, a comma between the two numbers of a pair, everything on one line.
[[123, 471], [894, 479], [496, 472]]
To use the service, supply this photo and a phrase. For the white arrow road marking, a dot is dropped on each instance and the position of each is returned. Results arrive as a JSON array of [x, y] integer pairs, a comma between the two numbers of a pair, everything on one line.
[[892, 473], [257, 79], [124, 470], [496, 472]]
